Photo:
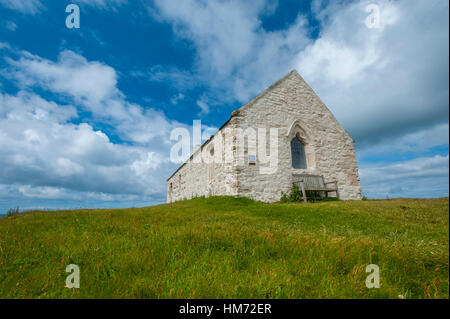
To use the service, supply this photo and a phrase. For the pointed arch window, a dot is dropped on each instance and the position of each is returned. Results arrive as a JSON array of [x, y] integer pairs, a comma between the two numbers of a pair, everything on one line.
[[298, 153]]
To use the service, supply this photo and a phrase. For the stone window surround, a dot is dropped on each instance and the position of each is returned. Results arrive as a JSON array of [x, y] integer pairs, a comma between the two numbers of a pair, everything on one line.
[[298, 129]]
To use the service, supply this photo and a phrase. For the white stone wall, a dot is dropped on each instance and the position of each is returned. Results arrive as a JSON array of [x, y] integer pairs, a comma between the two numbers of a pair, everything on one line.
[[292, 107], [195, 179]]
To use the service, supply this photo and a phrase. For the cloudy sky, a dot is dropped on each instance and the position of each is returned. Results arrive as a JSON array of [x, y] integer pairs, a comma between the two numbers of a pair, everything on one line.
[[86, 114]]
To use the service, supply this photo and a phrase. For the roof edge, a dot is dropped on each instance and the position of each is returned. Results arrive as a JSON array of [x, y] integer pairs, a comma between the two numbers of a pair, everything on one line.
[[271, 87]]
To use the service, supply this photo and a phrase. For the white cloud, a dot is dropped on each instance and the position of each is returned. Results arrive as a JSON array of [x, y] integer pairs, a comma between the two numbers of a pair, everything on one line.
[[11, 26], [53, 152], [92, 85], [423, 177], [382, 82], [176, 98], [24, 6], [236, 57], [203, 106], [25, 194], [65, 167], [180, 79], [416, 142], [47, 155]]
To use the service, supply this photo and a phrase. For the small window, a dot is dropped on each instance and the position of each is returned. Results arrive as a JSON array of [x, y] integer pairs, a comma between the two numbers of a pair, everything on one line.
[[251, 160], [298, 153]]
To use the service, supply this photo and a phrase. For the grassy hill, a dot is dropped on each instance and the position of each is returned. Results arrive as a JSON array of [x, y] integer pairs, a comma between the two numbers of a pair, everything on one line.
[[230, 248]]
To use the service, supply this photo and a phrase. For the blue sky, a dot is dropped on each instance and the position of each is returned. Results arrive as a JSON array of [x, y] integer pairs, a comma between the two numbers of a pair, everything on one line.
[[86, 114]]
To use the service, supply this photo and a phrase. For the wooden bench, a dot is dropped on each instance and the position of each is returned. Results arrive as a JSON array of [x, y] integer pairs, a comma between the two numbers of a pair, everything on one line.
[[315, 183]]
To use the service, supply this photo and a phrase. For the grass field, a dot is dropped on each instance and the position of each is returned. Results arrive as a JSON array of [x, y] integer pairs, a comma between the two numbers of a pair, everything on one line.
[[230, 248]]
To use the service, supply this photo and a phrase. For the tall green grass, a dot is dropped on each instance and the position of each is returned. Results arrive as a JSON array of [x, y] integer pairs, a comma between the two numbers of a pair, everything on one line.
[[225, 247]]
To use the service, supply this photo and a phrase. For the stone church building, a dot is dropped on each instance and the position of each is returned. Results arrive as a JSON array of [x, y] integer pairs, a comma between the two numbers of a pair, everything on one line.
[[308, 140]]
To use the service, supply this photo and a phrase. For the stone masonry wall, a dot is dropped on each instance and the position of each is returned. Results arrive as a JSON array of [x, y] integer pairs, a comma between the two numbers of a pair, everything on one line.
[[293, 107], [196, 179]]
